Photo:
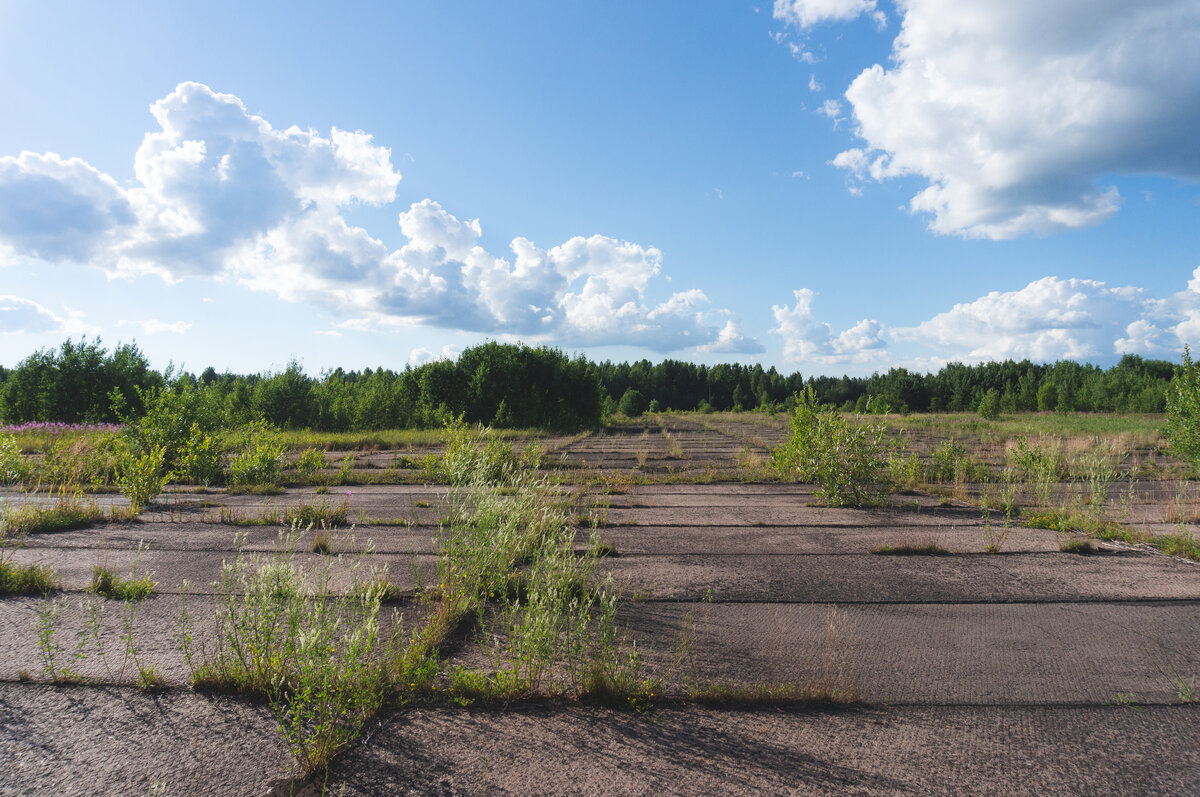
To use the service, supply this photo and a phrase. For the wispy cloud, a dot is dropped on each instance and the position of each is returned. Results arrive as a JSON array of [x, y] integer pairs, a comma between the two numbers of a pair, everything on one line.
[[25, 316], [152, 326]]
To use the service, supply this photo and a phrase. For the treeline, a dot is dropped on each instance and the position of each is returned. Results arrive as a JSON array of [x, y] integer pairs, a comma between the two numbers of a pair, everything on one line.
[[1133, 385], [500, 385], [520, 386]]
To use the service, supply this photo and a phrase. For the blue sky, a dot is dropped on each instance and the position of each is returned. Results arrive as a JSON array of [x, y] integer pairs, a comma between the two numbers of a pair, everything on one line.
[[830, 186]]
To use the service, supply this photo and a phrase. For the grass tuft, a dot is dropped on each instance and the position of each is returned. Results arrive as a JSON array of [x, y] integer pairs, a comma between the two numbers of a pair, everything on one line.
[[109, 584], [25, 579], [750, 694], [1077, 546], [911, 549]]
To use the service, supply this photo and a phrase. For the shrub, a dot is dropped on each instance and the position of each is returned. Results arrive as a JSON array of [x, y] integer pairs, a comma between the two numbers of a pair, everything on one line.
[[180, 422], [845, 461], [311, 462], [989, 405], [199, 460], [141, 476], [632, 403], [260, 457], [473, 454], [1183, 411]]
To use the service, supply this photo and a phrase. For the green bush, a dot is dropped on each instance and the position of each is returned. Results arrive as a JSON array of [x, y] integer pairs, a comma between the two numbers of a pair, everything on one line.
[[845, 461], [632, 403], [311, 462], [177, 420], [1183, 411], [141, 476], [260, 456], [473, 454], [199, 460], [12, 465], [989, 405]]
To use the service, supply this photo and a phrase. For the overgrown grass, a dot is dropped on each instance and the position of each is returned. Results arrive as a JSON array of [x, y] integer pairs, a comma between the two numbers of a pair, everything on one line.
[[134, 587], [1076, 546], [32, 579], [911, 549], [1182, 544], [66, 510], [384, 439], [316, 655], [751, 694]]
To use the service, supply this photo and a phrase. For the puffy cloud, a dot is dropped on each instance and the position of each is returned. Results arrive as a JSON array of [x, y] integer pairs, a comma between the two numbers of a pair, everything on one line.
[[807, 340], [58, 209], [831, 109], [222, 193], [807, 13], [731, 340], [420, 356], [1049, 319], [1015, 113]]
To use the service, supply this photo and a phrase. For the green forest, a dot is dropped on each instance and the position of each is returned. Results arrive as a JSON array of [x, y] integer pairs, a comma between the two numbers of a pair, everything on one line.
[[518, 386]]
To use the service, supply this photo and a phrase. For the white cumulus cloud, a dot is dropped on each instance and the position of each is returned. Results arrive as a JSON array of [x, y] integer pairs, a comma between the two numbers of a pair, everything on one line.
[[731, 340], [222, 193], [1016, 114], [807, 340], [1055, 319]]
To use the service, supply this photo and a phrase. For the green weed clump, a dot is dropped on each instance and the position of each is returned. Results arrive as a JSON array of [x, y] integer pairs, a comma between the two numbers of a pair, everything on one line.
[[951, 462], [844, 460], [323, 513], [1076, 546], [474, 454], [316, 655], [73, 460], [259, 458], [311, 462], [109, 584], [68, 510], [911, 549], [13, 468], [22, 579]]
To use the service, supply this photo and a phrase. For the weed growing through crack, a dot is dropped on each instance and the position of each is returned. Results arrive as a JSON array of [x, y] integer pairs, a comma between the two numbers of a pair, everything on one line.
[[316, 655], [63, 508], [15, 579], [322, 541], [921, 548], [134, 587], [29, 579], [1076, 546]]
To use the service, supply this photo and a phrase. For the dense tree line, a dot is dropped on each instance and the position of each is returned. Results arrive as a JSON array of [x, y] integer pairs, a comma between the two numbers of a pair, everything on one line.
[[519, 386], [1132, 385], [501, 385]]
